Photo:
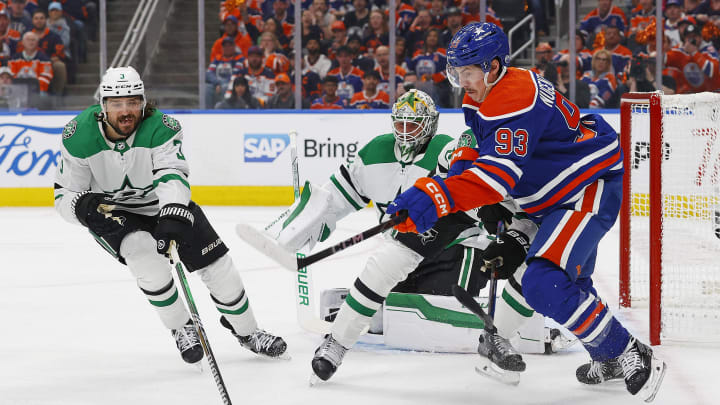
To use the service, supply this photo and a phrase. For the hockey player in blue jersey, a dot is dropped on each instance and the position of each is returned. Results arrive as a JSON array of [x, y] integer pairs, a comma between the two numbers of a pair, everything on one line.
[[565, 171]]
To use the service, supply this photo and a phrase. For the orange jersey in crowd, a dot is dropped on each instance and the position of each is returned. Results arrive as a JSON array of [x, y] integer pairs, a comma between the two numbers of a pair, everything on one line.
[[39, 67], [361, 101], [693, 73], [243, 42], [277, 62]]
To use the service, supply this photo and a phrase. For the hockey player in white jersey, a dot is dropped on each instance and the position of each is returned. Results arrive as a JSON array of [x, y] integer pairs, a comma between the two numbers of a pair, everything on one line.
[[386, 166], [123, 176]]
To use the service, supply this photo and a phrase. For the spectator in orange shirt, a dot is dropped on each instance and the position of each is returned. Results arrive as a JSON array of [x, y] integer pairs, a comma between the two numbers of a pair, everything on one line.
[[620, 54], [32, 64], [438, 18], [370, 97], [416, 33], [472, 13], [243, 42], [339, 37], [329, 100]]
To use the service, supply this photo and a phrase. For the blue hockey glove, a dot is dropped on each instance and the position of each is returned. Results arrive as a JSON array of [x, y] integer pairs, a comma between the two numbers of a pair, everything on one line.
[[428, 200]]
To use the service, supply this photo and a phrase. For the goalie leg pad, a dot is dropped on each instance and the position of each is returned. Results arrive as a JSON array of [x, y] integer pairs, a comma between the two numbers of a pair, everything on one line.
[[154, 278], [388, 265], [228, 293]]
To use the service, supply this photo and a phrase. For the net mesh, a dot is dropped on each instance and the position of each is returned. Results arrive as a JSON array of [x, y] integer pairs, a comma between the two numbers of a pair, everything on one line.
[[691, 214]]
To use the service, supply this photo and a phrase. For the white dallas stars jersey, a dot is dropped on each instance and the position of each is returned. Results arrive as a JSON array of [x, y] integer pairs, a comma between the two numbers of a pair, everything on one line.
[[378, 173], [140, 174]]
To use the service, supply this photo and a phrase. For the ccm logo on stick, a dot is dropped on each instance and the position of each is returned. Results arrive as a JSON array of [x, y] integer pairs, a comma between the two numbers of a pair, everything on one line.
[[439, 199], [264, 147]]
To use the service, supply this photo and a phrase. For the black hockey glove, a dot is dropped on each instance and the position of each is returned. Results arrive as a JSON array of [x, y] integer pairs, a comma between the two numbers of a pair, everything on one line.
[[508, 252], [86, 211], [174, 223], [490, 215]]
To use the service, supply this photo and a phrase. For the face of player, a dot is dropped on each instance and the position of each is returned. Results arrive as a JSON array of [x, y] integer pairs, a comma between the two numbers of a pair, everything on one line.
[[471, 79], [39, 21], [124, 114]]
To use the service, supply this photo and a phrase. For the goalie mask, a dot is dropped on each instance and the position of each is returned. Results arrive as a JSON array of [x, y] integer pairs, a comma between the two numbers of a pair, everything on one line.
[[414, 121]]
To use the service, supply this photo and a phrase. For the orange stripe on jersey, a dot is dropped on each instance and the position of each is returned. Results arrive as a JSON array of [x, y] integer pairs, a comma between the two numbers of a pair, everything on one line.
[[555, 251], [469, 102], [576, 182], [497, 171], [468, 191], [589, 320], [512, 94], [589, 198]]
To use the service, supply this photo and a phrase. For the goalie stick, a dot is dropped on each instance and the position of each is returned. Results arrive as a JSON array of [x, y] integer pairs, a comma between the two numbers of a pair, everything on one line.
[[305, 300], [214, 369], [270, 248]]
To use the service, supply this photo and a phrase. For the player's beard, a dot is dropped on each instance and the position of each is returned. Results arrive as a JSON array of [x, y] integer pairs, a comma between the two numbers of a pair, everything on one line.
[[120, 121]]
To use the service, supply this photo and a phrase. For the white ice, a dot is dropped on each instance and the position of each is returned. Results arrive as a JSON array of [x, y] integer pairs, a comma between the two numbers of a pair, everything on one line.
[[76, 330]]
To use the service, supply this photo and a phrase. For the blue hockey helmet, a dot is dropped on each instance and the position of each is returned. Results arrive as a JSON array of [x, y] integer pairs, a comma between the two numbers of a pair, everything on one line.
[[477, 44]]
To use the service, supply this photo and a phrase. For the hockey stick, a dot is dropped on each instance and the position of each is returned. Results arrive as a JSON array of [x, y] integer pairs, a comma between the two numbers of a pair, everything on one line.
[[214, 369], [492, 266], [270, 248], [305, 300], [469, 302]]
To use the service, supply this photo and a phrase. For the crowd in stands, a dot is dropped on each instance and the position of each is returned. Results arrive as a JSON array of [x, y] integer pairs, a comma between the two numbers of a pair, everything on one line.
[[346, 53], [41, 43], [616, 51], [346, 63]]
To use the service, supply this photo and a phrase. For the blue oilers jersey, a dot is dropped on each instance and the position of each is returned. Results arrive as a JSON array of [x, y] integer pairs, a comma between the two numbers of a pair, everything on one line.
[[534, 146]]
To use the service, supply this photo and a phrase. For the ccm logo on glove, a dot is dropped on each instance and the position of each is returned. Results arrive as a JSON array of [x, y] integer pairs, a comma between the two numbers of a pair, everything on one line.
[[440, 201]]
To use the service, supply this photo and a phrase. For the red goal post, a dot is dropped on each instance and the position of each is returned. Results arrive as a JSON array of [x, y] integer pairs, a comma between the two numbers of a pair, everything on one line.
[[670, 205]]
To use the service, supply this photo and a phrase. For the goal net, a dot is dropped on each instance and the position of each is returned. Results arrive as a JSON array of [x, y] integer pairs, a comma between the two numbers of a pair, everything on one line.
[[670, 220]]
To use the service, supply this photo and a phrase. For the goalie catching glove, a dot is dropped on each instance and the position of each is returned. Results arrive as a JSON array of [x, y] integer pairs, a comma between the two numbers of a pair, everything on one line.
[[175, 222], [508, 252], [426, 202]]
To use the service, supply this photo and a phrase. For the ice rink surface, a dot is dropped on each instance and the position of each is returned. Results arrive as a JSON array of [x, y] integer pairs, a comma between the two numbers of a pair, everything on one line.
[[76, 330]]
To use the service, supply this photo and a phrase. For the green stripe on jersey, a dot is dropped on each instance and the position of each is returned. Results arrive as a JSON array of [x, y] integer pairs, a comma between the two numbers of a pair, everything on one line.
[[417, 303], [380, 149], [430, 160], [170, 177], [344, 193]]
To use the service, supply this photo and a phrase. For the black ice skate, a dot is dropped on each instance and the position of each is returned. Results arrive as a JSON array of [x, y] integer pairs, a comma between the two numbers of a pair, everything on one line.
[[188, 342], [259, 342], [643, 372], [327, 359], [499, 361], [597, 372]]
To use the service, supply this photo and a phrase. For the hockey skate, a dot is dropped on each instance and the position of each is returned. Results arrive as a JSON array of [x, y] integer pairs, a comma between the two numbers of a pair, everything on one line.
[[643, 372], [499, 360], [188, 342], [327, 359], [598, 372], [555, 341], [260, 342]]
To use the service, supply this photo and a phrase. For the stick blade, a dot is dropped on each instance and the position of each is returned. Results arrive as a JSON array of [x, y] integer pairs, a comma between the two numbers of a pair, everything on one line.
[[267, 246]]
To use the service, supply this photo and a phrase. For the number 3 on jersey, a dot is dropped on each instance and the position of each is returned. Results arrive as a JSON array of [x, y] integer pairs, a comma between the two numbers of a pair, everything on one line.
[[511, 142]]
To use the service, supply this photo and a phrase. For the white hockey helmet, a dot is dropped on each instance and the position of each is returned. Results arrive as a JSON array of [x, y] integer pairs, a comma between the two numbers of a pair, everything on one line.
[[121, 82], [414, 119]]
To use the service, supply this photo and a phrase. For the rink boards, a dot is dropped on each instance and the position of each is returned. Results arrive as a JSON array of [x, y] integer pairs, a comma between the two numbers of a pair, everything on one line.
[[236, 158]]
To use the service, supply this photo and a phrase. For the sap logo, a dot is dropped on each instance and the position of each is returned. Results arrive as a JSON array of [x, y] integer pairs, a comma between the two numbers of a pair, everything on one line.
[[264, 147]]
